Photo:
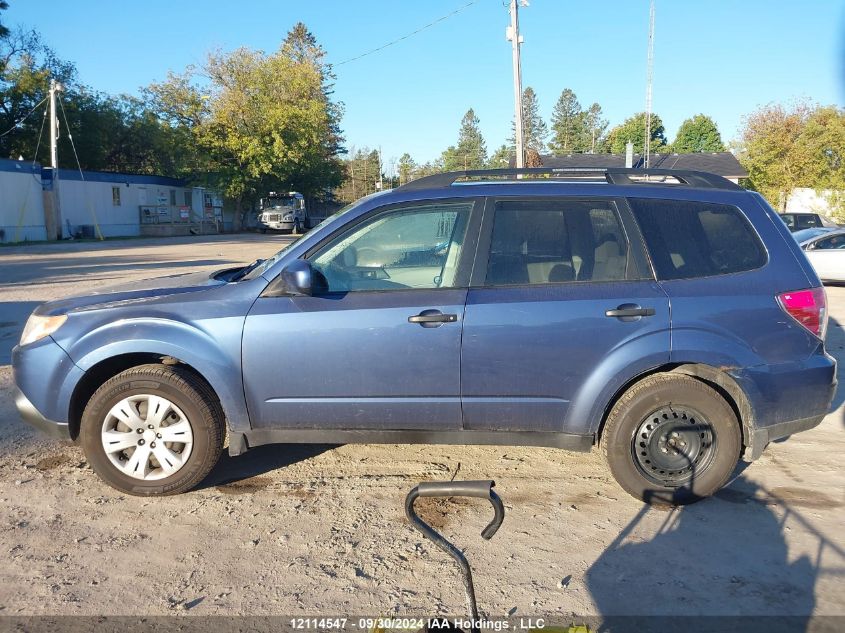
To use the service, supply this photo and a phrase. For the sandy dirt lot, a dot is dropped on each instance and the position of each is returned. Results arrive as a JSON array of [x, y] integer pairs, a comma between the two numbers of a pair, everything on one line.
[[320, 529]]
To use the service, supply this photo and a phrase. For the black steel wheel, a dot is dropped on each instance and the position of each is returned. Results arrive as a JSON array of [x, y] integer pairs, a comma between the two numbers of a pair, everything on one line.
[[671, 443], [671, 439]]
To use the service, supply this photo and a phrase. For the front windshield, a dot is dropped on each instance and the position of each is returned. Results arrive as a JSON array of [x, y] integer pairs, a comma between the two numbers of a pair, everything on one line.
[[270, 261], [276, 203]]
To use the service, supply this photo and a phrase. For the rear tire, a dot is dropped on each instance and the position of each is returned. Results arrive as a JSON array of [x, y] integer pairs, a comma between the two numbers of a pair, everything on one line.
[[168, 414], [671, 440]]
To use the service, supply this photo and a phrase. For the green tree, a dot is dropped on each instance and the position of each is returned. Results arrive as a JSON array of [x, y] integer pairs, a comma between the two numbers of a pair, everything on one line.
[[568, 124], [406, 168], [534, 129], [800, 146], [594, 128], [698, 134], [471, 150], [4, 31], [633, 129], [501, 158], [259, 119], [361, 172]]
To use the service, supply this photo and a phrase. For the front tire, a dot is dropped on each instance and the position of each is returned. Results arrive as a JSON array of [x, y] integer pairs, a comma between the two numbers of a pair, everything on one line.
[[671, 440], [153, 430]]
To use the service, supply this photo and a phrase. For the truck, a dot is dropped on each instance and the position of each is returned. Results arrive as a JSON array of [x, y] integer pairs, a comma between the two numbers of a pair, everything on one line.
[[283, 212]]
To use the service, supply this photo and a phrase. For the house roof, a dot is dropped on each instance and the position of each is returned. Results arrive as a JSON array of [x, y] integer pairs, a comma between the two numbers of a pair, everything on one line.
[[720, 163], [28, 167]]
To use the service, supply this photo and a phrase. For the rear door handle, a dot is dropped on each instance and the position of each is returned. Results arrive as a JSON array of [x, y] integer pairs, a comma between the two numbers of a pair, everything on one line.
[[432, 318], [629, 311]]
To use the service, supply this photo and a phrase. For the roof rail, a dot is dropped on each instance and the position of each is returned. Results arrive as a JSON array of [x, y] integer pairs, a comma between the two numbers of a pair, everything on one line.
[[612, 175]]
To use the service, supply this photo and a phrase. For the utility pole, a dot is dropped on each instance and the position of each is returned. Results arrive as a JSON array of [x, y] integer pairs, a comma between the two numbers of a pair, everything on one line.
[[649, 79], [54, 126], [52, 211], [380, 170], [512, 34]]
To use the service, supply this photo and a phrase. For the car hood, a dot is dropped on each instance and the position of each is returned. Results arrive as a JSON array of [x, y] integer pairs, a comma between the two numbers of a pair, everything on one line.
[[134, 291]]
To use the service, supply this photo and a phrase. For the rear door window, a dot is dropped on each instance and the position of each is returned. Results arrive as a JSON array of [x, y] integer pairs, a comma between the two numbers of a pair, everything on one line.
[[688, 239], [556, 241]]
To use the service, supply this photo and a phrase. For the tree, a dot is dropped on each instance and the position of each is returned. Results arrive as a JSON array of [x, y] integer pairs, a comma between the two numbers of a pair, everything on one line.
[[698, 134], [800, 146], [361, 171], [501, 158], [471, 150], [633, 129], [568, 124], [259, 120], [534, 129], [4, 31], [594, 128], [406, 168], [823, 139]]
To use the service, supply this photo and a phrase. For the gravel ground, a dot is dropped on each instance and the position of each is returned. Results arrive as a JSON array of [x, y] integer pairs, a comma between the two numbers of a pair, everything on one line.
[[320, 529]]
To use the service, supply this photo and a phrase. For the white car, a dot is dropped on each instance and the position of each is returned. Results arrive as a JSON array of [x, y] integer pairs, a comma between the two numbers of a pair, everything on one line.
[[826, 253]]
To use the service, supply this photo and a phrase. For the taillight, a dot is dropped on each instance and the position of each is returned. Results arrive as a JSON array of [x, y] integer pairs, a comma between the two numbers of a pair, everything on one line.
[[808, 307]]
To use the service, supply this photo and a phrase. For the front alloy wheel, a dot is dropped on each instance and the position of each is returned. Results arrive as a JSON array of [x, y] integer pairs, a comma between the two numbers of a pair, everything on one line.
[[147, 437], [153, 430]]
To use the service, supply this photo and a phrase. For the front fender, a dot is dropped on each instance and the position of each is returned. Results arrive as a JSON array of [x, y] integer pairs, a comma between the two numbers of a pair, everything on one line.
[[211, 348]]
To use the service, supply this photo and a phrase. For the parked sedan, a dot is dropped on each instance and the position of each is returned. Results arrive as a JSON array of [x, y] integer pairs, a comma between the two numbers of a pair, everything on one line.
[[806, 235], [826, 253]]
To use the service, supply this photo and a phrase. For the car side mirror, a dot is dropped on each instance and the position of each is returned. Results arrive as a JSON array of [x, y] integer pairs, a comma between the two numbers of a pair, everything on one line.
[[297, 278]]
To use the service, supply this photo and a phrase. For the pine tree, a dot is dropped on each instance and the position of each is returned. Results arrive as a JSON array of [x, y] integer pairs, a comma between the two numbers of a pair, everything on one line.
[[501, 158], [594, 128], [567, 124], [471, 151], [534, 129], [406, 168]]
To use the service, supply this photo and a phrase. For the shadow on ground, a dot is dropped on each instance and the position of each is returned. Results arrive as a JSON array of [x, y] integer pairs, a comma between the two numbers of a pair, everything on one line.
[[236, 472], [702, 559]]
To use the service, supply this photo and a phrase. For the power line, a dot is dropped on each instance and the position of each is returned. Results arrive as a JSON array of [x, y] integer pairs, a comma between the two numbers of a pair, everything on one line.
[[405, 37], [26, 116], [40, 133], [81, 175]]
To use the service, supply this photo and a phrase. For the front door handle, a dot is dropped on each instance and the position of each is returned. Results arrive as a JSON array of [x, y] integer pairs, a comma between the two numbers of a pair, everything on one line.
[[432, 318], [629, 312]]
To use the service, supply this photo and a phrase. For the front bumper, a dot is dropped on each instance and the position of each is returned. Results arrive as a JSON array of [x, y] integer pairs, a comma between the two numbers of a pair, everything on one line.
[[278, 226], [33, 417]]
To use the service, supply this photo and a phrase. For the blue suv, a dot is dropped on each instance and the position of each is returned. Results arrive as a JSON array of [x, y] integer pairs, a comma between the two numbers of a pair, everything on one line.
[[667, 316]]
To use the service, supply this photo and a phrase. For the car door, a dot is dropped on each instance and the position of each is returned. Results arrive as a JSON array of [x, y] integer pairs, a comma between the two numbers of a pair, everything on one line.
[[560, 290], [827, 255], [377, 346]]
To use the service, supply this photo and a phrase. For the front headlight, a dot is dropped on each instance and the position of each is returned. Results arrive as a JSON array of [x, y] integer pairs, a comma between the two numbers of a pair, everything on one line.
[[37, 327]]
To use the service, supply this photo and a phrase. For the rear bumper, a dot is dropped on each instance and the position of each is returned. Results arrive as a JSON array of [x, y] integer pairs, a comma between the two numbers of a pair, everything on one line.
[[787, 398], [760, 438], [33, 417]]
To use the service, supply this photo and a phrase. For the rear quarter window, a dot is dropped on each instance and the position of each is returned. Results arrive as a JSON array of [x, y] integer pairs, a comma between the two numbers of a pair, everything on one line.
[[688, 239]]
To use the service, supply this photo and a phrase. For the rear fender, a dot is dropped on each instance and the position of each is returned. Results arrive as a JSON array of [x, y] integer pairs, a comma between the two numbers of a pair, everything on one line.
[[623, 365]]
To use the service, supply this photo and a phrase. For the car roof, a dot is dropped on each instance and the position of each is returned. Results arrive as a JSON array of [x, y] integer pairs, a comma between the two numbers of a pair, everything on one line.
[[608, 176]]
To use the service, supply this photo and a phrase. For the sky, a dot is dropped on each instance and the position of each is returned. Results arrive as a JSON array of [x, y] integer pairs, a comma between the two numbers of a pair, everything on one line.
[[724, 58]]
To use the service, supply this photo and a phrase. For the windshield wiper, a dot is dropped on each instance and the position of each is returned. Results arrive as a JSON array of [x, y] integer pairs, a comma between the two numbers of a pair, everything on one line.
[[243, 272]]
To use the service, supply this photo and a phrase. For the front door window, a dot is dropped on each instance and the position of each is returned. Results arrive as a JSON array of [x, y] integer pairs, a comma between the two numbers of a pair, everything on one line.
[[414, 247]]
